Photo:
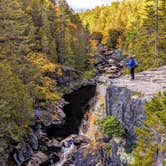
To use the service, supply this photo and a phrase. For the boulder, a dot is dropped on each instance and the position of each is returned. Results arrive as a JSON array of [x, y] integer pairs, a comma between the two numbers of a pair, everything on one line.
[[54, 145], [117, 54], [86, 156], [38, 159], [111, 61], [23, 151], [80, 139], [32, 139]]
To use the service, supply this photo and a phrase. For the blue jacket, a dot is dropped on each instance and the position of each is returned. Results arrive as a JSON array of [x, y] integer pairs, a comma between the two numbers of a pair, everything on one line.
[[131, 63]]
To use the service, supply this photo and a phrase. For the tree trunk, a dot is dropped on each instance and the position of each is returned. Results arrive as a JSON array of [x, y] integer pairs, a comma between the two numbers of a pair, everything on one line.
[[156, 34]]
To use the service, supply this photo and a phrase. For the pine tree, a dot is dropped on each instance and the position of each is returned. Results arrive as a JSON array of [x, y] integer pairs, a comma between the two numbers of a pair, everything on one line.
[[148, 147], [62, 6], [153, 24], [35, 35], [15, 103], [13, 28]]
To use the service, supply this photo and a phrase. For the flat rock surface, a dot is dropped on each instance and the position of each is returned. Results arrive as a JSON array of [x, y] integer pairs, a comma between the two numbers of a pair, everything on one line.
[[148, 83]]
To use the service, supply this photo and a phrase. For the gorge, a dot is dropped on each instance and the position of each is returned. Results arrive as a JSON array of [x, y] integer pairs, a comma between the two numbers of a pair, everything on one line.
[[67, 142], [78, 105]]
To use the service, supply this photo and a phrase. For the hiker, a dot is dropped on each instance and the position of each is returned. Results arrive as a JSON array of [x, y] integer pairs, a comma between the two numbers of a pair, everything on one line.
[[132, 65]]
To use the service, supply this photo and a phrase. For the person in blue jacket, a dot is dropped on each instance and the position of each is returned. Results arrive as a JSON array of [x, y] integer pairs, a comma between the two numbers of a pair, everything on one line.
[[131, 65]]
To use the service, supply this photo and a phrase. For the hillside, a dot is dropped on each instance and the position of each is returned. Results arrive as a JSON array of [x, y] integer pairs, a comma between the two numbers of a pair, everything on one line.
[[39, 58], [131, 26]]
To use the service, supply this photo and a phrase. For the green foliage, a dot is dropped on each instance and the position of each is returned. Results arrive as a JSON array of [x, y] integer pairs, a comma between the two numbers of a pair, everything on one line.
[[37, 37], [113, 38], [153, 126], [162, 117], [41, 87], [88, 74], [107, 149], [110, 126], [14, 25], [119, 16], [15, 107], [144, 40], [133, 29], [97, 36], [155, 105]]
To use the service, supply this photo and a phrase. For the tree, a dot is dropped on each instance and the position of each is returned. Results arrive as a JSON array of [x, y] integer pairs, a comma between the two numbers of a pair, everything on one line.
[[36, 37], [153, 127], [151, 24], [114, 35], [15, 103], [63, 12], [14, 25], [141, 25], [156, 31]]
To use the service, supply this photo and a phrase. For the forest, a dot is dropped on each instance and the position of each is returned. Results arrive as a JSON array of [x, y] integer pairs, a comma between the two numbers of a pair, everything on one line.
[[132, 26], [38, 38]]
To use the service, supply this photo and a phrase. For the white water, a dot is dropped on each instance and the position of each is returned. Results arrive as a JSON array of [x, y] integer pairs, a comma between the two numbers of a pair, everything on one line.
[[66, 152]]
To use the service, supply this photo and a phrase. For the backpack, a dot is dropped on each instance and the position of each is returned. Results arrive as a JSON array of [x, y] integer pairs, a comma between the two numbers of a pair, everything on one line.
[[136, 63]]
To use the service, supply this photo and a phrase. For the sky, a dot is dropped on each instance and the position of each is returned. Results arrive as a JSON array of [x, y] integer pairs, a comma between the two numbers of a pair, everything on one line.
[[86, 4]]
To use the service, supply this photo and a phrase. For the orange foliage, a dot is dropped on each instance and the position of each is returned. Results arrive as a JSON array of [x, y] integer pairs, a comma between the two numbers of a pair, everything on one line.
[[72, 26], [119, 42]]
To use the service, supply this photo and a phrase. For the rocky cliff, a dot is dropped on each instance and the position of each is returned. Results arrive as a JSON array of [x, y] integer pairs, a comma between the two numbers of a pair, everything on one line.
[[126, 101], [75, 138]]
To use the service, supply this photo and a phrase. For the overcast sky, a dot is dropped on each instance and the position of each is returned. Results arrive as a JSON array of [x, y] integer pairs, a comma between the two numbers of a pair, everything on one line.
[[86, 4]]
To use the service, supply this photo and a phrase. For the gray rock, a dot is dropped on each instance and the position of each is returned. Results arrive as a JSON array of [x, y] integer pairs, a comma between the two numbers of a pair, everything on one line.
[[54, 145], [129, 111], [38, 159], [118, 54], [32, 139], [24, 151], [114, 158]]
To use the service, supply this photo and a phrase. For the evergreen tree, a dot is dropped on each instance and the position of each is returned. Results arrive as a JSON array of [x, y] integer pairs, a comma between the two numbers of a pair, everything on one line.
[[141, 25], [35, 35], [15, 107], [148, 147], [63, 14], [14, 25]]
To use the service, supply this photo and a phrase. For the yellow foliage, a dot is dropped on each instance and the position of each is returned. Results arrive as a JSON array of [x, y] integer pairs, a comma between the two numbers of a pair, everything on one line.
[[44, 64], [58, 69], [44, 88], [93, 44], [40, 60]]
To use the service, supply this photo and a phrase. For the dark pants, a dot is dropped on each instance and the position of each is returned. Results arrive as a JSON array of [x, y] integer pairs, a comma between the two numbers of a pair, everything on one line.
[[132, 70]]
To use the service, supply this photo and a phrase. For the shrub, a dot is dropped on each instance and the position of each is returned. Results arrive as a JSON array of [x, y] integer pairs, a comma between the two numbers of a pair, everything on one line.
[[110, 126], [88, 74], [155, 105]]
